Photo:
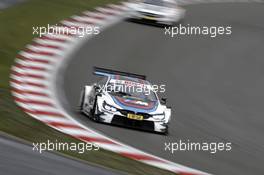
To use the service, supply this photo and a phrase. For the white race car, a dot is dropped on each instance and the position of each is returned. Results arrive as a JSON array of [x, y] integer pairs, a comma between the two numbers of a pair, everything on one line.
[[118, 100], [165, 12]]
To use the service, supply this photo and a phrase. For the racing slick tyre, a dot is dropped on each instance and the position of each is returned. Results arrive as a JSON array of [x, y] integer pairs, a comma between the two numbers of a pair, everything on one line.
[[81, 103], [166, 132], [93, 114]]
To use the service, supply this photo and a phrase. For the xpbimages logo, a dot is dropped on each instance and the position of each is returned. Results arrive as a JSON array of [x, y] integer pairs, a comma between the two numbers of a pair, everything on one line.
[[64, 146], [133, 88], [187, 145], [62, 30], [211, 31]]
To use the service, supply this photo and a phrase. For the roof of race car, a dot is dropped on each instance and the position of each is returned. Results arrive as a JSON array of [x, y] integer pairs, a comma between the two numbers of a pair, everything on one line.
[[130, 81], [111, 73]]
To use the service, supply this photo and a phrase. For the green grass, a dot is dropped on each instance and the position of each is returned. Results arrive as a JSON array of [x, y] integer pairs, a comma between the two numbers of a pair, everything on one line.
[[15, 32]]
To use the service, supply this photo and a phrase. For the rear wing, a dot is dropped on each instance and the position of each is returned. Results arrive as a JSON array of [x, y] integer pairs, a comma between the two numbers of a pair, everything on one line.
[[109, 72]]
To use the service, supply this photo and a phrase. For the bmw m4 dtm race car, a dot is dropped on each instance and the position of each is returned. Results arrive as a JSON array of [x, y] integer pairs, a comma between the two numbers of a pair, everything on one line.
[[165, 12], [117, 99]]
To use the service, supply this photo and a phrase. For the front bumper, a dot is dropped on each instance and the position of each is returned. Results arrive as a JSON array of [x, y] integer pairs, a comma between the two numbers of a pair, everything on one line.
[[119, 119]]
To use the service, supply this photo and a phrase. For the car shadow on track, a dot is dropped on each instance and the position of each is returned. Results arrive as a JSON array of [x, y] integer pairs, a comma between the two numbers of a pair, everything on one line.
[[151, 23], [146, 22]]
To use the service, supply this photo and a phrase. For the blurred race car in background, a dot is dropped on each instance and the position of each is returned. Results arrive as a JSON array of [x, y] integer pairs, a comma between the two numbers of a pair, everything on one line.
[[116, 99], [165, 12]]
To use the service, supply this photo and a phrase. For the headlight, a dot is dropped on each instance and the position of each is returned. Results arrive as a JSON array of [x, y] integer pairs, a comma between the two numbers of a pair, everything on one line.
[[109, 107], [158, 116]]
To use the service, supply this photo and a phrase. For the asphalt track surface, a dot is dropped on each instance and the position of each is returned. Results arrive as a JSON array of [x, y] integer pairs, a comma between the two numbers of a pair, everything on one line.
[[19, 159], [214, 85]]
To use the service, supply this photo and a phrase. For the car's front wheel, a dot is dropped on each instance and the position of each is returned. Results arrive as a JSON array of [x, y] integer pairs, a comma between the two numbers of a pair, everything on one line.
[[93, 113], [81, 103], [165, 131]]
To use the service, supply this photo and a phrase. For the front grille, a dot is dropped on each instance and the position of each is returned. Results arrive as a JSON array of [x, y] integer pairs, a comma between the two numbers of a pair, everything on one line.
[[125, 112], [137, 124]]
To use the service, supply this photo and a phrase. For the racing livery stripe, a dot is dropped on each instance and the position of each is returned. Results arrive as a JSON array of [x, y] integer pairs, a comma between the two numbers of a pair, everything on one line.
[[32, 85], [151, 106]]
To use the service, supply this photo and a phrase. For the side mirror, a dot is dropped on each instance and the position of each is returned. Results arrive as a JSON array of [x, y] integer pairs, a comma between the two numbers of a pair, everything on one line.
[[163, 101], [97, 88]]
